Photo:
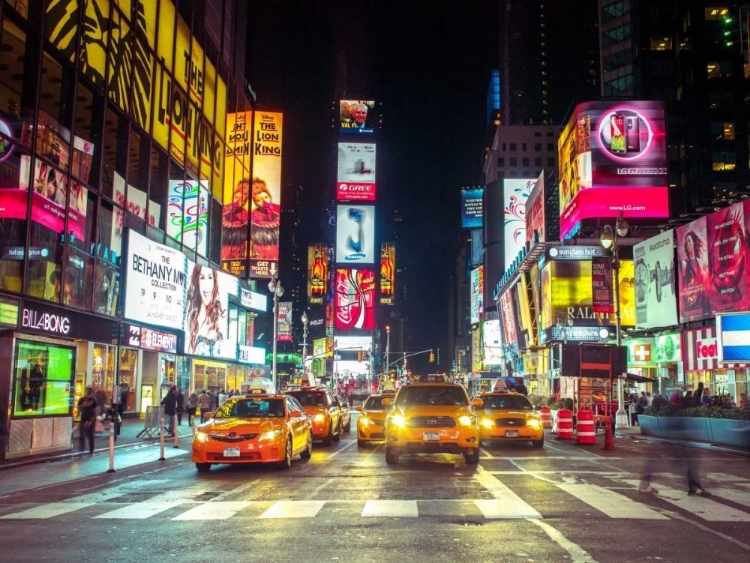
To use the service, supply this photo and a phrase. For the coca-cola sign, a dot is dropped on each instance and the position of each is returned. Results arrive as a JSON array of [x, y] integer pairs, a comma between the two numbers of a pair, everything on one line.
[[355, 191]]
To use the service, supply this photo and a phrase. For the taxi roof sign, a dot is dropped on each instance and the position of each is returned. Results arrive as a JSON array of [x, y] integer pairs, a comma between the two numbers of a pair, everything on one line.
[[308, 381], [433, 378], [258, 386]]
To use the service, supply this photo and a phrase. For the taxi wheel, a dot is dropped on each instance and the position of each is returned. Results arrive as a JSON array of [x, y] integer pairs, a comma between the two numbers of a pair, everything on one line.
[[473, 458], [203, 466], [328, 440], [307, 452], [537, 443], [391, 458], [361, 443], [337, 435], [286, 463], [348, 426]]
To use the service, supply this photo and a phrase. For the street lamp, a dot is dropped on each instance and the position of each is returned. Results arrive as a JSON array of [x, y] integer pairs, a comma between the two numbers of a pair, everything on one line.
[[304, 339], [609, 240], [277, 290], [387, 349]]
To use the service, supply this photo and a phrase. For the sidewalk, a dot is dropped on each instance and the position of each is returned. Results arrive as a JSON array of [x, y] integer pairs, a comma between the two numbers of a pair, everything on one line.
[[128, 438]]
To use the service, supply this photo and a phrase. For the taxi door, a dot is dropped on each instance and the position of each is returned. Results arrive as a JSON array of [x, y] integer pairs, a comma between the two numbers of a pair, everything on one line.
[[335, 411], [299, 424]]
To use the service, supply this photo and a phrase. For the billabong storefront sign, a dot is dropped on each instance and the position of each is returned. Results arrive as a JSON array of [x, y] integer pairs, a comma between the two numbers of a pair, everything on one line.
[[45, 322], [56, 321]]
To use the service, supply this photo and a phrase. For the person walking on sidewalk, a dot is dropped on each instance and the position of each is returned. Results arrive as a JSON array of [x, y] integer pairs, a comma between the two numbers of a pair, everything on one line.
[[205, 403], [193, 401], [87, 408], [169, 402], [180, 406]]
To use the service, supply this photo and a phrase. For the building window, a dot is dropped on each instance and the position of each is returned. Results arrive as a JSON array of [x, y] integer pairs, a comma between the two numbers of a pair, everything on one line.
[[550, 147], [728, 131], [550, 134], [550, 162], [537, 133], [504, 147], [716, 13], [538, 161], [723, 161], [525, 161], [513, 147], [513, 161], [501, 162], [523, 147], [661, 43], [615, 10], [538, 147], [718, 69], [513, 174], [526, 174], [615, 35]]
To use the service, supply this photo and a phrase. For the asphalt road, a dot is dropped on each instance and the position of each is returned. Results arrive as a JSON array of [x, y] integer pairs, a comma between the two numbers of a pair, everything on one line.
[[563, 503]]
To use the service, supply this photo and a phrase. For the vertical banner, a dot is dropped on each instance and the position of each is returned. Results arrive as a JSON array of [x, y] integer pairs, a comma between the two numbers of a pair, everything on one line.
[[235, 211], [355, 297], [265, 214], [601, 284], [187, 213], [284, 327], [387, 273], [655, 291], [317, 269]]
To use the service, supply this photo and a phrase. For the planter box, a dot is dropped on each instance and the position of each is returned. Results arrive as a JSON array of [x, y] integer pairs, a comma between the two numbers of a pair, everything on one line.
[[719, 431], [730, 432], [649, 425], [698, 429]]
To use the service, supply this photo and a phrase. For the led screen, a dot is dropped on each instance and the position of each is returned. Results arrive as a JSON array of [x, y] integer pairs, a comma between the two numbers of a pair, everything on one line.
[[387, 273], [188, 206], [317, 273], [472, 208], [355, 234], [655, 288], [357, 117], [235, 211], [477, 294], [536, 212], [493, 346], [355, 299], [515, 194], [355, 179], [360, 343]]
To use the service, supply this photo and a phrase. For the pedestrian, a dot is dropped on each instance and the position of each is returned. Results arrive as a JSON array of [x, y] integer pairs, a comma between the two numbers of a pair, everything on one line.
[[706, 398], [87, 409], [205, 405], [743, 400], [222, 397], [193, 401], [169, 402], [180, 406], [698, 395]]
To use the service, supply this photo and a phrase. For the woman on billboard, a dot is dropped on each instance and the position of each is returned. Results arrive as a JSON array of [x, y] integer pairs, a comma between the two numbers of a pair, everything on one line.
[[205, 313]]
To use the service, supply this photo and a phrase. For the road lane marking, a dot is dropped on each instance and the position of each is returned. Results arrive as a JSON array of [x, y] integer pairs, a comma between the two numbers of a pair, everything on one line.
[[213, 510], [294, 509], [392, 508], [740, 497], [511, 505], [49, 510], [350, 444], [610, 503], [727, 478], [576, 552], [140, 511]]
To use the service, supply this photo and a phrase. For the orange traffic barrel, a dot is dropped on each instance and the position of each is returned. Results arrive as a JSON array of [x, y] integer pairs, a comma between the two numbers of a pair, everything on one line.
[[585, 431], [564, 424], [546, 414]]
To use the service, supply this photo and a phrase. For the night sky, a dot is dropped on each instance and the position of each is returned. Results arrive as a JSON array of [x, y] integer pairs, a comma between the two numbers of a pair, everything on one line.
[[429, 62]]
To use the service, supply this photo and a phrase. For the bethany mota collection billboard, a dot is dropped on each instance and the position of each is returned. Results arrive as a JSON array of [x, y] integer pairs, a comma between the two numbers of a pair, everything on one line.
[[712, 255], [613, 159], [655, 293], [355, 179]]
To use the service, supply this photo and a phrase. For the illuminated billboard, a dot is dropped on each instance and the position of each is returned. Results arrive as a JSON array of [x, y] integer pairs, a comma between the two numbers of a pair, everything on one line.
[[655, 291], [265, 208], [515, 195], [508, 319], [235, 211], [536, 216], [355, 234], [189, 203], [387, 273], [357, 117], [476, 294], [322, 348], [360, 343], [317, 273], [493, 345], [527, 336], [712, 255], [355, 299], [356, 178], [613, 159], [472, 208]]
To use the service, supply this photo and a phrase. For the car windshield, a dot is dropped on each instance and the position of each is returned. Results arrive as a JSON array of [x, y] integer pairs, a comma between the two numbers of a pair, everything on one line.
[[432, 395], [251, 408], [310, 398], [374, 404], [506, 402]]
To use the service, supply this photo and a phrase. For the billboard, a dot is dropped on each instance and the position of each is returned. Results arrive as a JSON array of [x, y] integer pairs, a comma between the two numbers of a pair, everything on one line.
[[472, 208], [317, 273], [387, 273], [355, 234], [155, 283], [355, 178], [357, 117], [206, 321], [712, 254], [361, 343], [655, 293], [355, 299], [515, 195], [321, 348], [493, 345], [284, 322], [265, 207], [476, 294], [235, 211], [733, 338], [613, 159], [188, 206], [477, 247], [526, 326], [536, 216], [508, 319]]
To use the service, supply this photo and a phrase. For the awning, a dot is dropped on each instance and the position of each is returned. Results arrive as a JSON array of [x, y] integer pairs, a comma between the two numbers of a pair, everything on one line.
[[638, 378]]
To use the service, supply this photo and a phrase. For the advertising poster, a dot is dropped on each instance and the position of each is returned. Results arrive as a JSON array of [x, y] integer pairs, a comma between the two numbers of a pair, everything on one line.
[[356, 169], [156, 282], [137, 203], [515, 195], [235, 211], [317, 270], [284, 333], [476, 294], [265, 208], [493, 346], [601, 285], [655, 291], [362, 343], [535, 212], [612, 159], [515, 319], [477, 247], [188, 206], [694, 275], [733, 338], [508, 319], [207, 331], [472, 208], [357, 117], [387, 273], [525, 311], [355, 299], [476, 350], [355, 234]]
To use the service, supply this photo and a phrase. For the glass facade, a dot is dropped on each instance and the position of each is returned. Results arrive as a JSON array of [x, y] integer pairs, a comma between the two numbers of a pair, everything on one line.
[[43, 379]]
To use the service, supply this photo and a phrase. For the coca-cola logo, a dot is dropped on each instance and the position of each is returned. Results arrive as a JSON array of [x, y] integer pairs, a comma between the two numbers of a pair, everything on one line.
[[706, 349], [45, 322]]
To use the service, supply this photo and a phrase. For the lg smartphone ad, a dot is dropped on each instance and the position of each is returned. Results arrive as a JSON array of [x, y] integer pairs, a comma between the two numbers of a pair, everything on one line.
[[613, 159], [355, 234], [655, 291], [355, 179], [355, 299]]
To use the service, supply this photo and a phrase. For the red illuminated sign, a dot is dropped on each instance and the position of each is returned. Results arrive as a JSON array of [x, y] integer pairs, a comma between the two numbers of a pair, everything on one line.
[[355, 191], [355, 298]]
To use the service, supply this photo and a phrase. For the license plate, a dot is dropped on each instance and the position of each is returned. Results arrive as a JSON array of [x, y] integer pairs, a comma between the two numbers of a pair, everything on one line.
[[431, 436], [511, 433], [231, 452]]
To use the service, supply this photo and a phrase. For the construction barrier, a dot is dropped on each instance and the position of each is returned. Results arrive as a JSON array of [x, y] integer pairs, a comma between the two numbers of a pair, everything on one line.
[[546, 414], [564, 424], [585, 433]]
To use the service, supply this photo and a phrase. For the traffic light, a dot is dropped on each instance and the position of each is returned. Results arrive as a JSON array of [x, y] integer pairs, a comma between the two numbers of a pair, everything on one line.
[[432, 357], [360, 356]]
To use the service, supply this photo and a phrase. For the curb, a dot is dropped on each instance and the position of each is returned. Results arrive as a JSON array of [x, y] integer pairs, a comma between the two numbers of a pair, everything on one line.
[[696, 445]]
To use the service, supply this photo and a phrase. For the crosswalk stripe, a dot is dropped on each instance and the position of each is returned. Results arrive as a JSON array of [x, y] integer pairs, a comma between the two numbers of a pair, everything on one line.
[[140, 511], [610, 503], [294, 509], [511, 505], [501, 509], [740, 497], [47, 510], [214, 510], [395, 508], [727, 478]]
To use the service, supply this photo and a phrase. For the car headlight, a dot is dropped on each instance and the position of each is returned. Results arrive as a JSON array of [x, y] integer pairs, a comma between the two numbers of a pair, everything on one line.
[[201, 437], [467, 420], [363, 420], [398, 420], [488, 423], [270, 435], [319, 417], [533, 423]]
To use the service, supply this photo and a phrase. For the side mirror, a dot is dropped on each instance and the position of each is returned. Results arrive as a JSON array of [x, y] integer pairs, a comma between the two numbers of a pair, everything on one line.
[[358, 408], [208, 416], [386, 402], [295, 414], [477, 403]]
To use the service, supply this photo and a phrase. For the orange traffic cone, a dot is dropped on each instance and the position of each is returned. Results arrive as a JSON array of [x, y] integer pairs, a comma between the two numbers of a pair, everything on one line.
[[609, 438]]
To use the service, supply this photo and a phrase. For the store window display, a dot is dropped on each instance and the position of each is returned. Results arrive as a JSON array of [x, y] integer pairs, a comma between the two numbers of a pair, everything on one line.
[[43, 379]]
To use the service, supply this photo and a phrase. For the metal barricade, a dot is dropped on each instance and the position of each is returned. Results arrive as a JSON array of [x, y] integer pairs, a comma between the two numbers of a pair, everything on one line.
[[154, 421]]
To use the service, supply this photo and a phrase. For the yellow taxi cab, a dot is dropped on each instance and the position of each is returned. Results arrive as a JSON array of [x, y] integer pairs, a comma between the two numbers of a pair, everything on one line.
[[430, 415], [320, 404], [371, 420], [510, 417], [260, 426]]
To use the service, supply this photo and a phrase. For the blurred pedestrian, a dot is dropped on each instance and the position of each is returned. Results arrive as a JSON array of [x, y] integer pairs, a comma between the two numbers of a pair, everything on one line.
[[698, 396], [706, 398], [193, 401], [180, 406], [169, 402], [205, 405], [87, 409]]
